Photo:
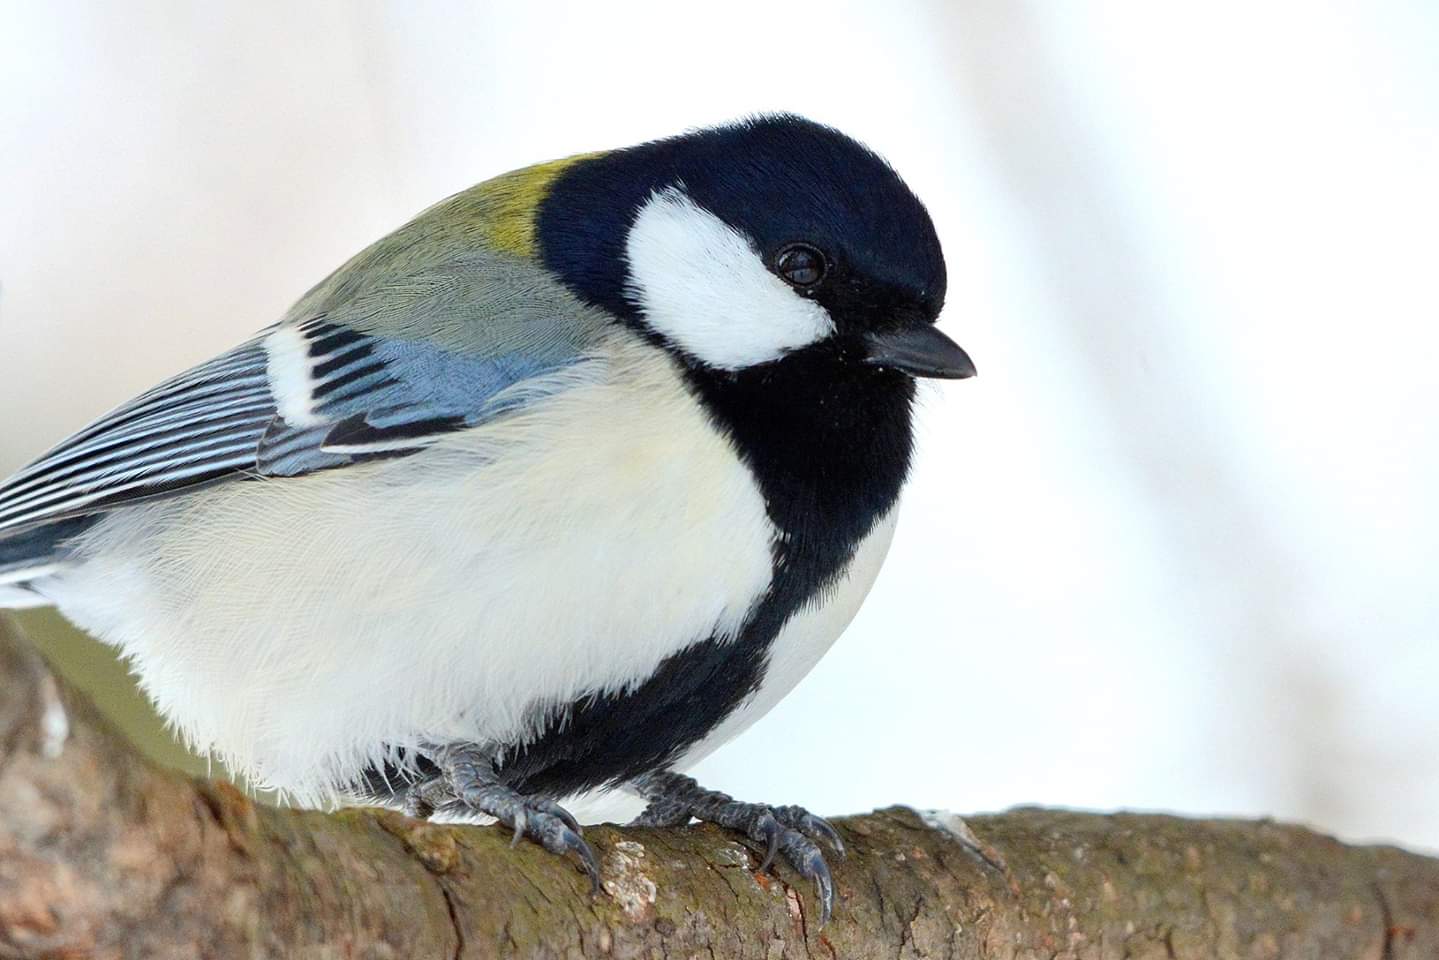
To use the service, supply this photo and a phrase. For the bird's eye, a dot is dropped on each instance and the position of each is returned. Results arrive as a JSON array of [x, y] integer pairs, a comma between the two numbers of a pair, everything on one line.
[[801, 265]]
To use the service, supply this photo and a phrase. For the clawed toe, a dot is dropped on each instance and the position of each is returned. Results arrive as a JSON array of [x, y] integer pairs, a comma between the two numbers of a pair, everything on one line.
[[553, 827], [805, 856], [559, 833], [798, 818], [792, 831], [548, 824], [550, 807], [474, 788], [422, 799], [768, 831]]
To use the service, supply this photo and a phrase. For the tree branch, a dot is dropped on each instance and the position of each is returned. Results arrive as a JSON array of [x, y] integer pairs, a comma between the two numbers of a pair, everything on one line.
[[104, 854]]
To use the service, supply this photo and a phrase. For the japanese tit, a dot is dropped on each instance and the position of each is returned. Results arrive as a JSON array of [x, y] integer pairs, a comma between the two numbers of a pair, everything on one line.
[[557, 487]]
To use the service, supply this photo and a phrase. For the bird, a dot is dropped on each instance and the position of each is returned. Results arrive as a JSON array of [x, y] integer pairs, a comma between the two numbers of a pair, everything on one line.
[[554, 489]]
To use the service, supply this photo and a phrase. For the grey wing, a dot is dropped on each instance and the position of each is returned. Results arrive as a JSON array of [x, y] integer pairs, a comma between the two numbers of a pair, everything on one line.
[[383, 376]]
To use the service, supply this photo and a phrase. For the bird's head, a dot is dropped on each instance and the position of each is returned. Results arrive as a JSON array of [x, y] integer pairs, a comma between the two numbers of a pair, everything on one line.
[[745, 245]]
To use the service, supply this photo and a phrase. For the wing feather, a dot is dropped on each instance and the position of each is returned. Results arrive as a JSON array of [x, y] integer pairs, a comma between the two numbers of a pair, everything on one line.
[[191, 429], [313, 394]]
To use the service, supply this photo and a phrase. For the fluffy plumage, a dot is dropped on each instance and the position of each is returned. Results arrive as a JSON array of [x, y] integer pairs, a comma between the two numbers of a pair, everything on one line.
[[561, 484], [522, 564]]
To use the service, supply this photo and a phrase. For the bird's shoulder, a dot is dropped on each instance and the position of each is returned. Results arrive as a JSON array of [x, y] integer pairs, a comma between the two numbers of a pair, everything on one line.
[[379, 365]]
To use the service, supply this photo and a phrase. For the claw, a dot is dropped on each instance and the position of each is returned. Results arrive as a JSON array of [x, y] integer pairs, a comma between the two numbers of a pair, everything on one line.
[[554, 833], [588, 860], [798, 818], [474, 787], [566, 816], [824, 890], [791, 830], [565, 840], [809, 861], [769, 830], [831, 835]]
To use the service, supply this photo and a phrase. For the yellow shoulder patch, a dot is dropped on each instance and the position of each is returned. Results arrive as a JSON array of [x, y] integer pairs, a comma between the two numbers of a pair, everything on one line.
[[497, 215], [509, 202]]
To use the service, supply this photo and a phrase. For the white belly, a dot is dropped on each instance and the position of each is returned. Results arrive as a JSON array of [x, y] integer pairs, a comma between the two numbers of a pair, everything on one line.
[[294, 627]]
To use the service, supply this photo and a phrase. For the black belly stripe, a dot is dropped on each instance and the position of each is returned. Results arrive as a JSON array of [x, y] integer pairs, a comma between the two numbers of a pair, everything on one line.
[[616, 737], [829, 445], [830, 448]]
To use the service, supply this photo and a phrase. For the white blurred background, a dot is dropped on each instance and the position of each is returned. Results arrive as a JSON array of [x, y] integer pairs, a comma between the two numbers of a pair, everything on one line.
[[1175, 548]]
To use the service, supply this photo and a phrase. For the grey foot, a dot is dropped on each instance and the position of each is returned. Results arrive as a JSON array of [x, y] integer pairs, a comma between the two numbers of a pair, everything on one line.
[[469, 785], [673, 799]]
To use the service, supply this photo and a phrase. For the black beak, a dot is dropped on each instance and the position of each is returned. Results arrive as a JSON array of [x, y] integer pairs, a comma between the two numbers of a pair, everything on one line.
[[919, 350]]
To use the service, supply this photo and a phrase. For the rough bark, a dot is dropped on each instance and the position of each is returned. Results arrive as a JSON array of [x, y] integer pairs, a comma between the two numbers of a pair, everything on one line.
[[103, 854]]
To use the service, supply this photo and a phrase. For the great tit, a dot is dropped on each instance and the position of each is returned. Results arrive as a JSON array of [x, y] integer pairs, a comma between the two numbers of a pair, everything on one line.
[[557, 487]]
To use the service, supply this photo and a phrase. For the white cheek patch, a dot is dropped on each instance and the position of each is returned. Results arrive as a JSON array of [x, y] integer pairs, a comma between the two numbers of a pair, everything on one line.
[[700, 284]]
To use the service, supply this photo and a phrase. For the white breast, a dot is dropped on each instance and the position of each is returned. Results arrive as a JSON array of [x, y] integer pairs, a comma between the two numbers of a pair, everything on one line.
[[294, 626]]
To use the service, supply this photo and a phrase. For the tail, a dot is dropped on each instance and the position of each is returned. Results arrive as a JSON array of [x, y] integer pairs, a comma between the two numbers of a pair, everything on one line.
[[28, 557]]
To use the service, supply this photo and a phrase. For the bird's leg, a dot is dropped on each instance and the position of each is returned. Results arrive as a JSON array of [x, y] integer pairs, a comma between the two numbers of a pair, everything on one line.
[[673, 799], [424, 797], [470, 784]]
